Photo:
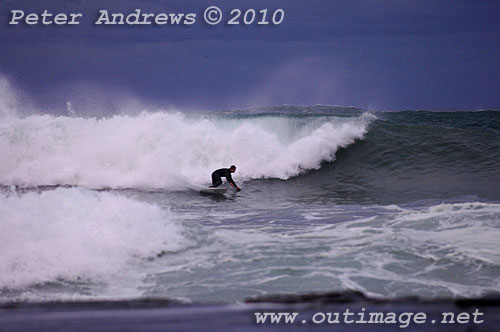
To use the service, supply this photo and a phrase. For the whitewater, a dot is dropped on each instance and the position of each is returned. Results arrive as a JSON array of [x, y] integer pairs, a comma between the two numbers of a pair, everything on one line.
[[165, 150]]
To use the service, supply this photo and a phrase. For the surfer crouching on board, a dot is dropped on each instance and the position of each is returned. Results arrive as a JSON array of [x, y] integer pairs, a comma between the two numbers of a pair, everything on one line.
[[226, 173]]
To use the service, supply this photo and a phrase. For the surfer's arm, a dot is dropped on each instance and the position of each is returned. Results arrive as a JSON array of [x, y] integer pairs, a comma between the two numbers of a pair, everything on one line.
[[231, 181]]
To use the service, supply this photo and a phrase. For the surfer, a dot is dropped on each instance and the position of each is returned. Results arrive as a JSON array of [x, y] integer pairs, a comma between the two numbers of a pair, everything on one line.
[[226, 173]]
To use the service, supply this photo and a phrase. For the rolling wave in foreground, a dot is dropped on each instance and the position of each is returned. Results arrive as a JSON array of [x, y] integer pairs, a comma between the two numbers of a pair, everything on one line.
[[387, 203]]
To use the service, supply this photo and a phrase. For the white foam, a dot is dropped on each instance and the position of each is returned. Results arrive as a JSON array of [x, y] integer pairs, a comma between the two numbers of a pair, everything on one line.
[[440, 250], [78, 234], [165, 150]]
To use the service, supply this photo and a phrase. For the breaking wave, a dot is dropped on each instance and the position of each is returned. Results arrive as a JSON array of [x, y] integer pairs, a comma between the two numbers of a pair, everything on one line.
[[167, 150]]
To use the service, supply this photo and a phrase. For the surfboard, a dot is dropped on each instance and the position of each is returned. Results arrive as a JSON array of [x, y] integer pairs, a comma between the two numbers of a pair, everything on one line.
[[213, 191]]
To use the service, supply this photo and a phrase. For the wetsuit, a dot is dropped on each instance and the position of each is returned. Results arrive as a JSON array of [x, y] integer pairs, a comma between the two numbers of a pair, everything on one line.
[[222, 173]]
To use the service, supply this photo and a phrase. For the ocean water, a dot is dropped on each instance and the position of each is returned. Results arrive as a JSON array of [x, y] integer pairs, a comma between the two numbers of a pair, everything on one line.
[[387, 203]]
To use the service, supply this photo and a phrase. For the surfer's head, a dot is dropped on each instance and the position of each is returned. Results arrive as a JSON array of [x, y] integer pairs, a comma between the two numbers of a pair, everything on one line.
[[232, 169]]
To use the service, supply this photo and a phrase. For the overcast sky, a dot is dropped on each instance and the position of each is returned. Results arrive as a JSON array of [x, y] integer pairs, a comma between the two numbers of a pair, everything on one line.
[[371, 54]]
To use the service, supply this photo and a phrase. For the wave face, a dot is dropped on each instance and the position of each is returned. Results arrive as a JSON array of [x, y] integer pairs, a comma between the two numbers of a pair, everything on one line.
[[407, 156], [166, 150]]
